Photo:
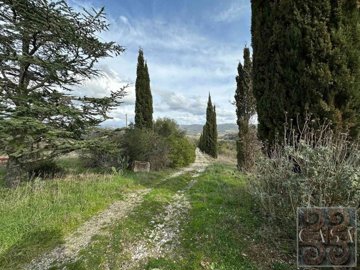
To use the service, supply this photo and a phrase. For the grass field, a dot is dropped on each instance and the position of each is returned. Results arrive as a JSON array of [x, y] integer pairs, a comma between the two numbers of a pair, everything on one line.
[[219, 231], [36, 216]]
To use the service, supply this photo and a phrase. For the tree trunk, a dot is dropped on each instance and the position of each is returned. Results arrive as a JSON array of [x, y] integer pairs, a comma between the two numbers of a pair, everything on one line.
[[15, 173]]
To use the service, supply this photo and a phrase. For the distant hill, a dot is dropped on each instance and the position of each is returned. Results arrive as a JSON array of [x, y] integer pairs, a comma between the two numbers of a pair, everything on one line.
[[222, 129]]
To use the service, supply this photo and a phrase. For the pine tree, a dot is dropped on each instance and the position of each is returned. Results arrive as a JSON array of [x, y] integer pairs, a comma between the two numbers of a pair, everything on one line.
[[245, 108], [305, 60], [143, 105], [47, 48], [208, 138]]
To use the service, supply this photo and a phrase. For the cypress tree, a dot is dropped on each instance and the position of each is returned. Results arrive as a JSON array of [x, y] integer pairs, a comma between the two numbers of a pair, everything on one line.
[[148, 115], [245, 108], [143, 104], [306, 59], [261, 30], [344, 94], [208, 138], [214, 148]]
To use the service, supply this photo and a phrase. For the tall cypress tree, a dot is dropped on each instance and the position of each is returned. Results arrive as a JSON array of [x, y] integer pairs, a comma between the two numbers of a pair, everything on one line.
[[306, 59], [208, 138], [214, 148], [344, 96], [143, 105], [245, 108], [148, 115]]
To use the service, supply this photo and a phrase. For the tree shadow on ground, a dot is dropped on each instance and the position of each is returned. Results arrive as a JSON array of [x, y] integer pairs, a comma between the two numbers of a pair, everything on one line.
[[29, 247]]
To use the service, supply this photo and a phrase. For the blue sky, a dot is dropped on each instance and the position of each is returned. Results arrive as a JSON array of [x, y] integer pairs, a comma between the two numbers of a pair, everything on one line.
[[192, 48]]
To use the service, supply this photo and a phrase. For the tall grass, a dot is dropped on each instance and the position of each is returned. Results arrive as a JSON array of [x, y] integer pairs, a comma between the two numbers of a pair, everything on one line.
[[37, 215]]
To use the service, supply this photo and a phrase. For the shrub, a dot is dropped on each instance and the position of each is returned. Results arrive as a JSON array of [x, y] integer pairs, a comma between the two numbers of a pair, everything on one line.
[[45, 169], [312, 168], [104, 150], [146, 145], [164, 146], [166, 127], [182, 151]]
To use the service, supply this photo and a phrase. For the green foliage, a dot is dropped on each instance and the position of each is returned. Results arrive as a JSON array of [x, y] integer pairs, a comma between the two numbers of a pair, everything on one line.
[[208, 138], [45, 49], [168, 127], [182, 151], [104, 150], [245, 108], [146, 145], [143, 105], [164, 146], [306, 58], [315, 168]]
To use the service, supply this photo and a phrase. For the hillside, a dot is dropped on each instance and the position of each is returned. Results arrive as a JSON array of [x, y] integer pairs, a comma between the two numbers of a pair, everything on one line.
[[222, 128]]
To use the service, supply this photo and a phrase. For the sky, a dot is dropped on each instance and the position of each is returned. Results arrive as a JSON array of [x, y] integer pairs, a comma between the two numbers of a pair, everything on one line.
[[192, 48]]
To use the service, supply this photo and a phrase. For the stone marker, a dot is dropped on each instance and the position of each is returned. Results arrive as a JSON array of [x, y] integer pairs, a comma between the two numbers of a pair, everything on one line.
[[141, 166]]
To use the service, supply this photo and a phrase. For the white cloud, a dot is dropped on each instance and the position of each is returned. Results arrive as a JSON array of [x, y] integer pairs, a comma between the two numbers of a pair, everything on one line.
[[152, 33], [184, 63], [102, 85], [234, 11]]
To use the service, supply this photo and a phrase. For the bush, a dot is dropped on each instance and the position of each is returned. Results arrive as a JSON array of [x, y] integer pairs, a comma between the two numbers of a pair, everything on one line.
[[104, 150], [45, 169], [146, 145], [312, 168], [164, 146], [166, 127], [182, 151], [227, 147]]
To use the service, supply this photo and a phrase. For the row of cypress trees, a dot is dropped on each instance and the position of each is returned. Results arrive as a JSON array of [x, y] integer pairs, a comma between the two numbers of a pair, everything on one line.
[[306, 59], [208, 138]]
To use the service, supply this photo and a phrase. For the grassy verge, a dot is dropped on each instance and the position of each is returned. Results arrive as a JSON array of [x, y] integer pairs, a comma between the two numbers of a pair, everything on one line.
[[36, 216], [112, 249], [219, 232]]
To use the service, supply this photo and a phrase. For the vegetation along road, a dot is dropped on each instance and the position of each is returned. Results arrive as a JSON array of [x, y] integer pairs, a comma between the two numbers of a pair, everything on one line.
[[185, 219]]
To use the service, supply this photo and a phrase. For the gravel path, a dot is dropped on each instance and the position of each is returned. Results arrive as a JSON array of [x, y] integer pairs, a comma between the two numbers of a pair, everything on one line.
[[162, 237], [82, 236]]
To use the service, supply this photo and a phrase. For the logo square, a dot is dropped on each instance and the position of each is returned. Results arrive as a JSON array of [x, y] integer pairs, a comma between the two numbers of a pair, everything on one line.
[[326, 237]]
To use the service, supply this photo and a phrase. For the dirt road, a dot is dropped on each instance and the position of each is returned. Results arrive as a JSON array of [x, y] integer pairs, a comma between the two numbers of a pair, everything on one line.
[[159, 238]]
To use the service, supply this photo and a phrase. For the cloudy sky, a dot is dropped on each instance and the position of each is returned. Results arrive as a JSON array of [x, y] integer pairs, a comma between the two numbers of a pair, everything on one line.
[[192, 48]]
